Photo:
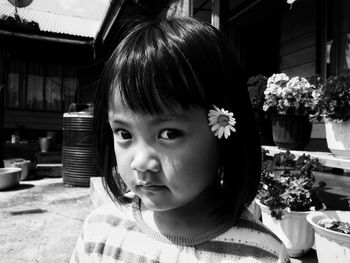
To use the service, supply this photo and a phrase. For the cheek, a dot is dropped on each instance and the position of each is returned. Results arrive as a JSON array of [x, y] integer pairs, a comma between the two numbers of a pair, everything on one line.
[[195, 166], [122, 162]]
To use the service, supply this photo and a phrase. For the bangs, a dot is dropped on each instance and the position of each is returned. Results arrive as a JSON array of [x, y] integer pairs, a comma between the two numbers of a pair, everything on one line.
[[152, 75]]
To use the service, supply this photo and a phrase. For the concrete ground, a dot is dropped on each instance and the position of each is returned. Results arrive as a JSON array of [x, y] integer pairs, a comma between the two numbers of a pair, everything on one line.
[[40, 221]]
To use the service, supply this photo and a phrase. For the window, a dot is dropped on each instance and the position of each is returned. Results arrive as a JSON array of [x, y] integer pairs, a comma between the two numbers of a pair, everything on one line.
[[70, 85], [15, 84], [35, 86], [338, 37], [40, 87], [53, 84]]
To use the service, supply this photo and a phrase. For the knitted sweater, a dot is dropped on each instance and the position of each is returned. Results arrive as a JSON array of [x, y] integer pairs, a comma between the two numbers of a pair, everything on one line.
[[119, 234]]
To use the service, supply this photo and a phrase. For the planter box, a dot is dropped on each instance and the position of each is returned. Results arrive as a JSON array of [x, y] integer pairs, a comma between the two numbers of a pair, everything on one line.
[[331, 246], [293, 229], [338, 138]]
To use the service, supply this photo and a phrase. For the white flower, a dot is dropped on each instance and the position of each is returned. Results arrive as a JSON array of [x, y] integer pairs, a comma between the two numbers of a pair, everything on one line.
[[221, 122], [279, 79]]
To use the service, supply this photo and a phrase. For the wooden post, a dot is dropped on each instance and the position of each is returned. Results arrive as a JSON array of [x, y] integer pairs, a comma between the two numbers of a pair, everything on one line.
[[187, 9], [219, 15], [181, 8], [2, 102], [215, 13]]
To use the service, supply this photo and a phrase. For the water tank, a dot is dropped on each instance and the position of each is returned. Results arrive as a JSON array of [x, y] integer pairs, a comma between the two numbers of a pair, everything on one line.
[[77, 150]]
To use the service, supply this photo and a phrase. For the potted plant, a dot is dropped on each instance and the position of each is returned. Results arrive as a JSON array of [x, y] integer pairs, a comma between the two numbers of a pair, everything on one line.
[[287, 193], [256, 87], [332, 235], [333, 98], [289, 102]]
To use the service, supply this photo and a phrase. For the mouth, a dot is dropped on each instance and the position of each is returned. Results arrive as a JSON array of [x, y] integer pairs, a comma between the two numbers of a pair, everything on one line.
[[151, 187]]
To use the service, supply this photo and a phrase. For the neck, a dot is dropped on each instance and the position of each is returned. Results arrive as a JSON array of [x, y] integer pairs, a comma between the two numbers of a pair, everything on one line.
[[196, 218]]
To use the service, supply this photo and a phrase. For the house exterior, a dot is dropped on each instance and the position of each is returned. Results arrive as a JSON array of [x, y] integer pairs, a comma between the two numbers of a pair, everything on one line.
[[43, 71], [46, 63], [304, 38]]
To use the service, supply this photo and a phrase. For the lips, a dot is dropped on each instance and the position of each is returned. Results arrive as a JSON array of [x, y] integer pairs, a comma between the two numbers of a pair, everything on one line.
[[151, 187]]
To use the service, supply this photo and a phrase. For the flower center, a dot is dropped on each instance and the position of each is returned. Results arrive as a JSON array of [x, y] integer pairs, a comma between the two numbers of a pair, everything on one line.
[[223, 120]]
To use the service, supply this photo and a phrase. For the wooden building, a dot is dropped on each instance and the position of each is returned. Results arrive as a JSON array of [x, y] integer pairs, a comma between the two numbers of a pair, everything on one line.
[[43, 71], [301, 39]]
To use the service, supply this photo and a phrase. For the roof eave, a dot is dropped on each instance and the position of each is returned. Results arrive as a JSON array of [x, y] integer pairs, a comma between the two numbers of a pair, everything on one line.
[[108, 25]]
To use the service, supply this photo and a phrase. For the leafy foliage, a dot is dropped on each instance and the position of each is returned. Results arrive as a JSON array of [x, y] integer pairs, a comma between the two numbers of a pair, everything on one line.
[[289, 183], [256, 87], [335, 225], [333, 97]]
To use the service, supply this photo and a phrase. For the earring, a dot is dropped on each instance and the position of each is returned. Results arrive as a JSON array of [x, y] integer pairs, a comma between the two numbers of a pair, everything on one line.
[[221, 175]]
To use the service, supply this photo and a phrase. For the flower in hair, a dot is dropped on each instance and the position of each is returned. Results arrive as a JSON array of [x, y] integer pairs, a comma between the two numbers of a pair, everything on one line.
[[221, 122]]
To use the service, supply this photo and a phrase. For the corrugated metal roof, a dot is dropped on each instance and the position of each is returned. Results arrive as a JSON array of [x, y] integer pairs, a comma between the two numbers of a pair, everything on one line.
[[53, 22]]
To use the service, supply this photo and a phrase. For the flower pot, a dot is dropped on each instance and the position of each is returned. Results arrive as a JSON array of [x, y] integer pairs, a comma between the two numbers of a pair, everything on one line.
[[291, 132], [9, 177], [338, 138], [25, 165], [264, 127], [331, 246], [293, 229], [254, 208]]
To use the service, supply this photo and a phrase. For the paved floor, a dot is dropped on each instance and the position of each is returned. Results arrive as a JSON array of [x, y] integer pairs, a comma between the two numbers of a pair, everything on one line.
[[40, 221]]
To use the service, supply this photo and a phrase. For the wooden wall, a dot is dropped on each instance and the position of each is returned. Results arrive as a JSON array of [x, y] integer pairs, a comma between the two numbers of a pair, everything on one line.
[[298, 46], [298, 53], [33, 120]]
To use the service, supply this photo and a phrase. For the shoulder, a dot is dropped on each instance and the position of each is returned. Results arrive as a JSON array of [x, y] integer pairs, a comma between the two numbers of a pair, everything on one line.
[[250, 237], [103, 219], [249, 223], [109, 213]]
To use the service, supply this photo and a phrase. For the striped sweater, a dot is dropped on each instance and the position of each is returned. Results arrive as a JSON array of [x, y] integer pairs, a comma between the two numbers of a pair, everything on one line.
[[118, 234]]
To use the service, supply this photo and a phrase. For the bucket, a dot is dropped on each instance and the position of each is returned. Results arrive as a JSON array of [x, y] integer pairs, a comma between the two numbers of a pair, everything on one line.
[[44, 143], [77, 150], [25, 165]]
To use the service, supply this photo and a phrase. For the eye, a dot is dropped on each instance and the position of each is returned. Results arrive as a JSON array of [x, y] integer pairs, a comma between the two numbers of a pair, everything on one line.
[[122, 134], [170, 134]]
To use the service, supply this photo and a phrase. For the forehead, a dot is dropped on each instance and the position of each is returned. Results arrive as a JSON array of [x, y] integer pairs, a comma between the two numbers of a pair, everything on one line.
[[117, 107], [118, 111]]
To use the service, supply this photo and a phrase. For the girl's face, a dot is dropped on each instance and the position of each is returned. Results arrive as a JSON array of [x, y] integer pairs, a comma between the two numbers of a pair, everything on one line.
[[167, 160]]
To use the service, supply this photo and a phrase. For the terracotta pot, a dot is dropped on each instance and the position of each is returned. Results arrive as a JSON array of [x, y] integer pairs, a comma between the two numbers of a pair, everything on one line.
[[291, 132], [331, 246], [338, 138], [293, 229]]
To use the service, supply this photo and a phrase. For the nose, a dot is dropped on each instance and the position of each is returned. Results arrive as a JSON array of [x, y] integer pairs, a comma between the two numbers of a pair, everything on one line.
[[145, 159]]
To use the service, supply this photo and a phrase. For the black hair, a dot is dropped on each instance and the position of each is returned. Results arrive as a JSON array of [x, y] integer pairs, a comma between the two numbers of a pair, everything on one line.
[[186, 62]]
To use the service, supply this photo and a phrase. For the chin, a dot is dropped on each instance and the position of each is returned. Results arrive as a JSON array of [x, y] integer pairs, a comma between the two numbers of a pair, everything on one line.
[[157, 205]]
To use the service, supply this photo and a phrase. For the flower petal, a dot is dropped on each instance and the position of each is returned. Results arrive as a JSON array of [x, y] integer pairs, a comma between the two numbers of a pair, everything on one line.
[[213, 113], [213, 118], [227, 131], [212, 122], [232, 122], [216, 108], [221, 122], [215, 127], [221, 132]]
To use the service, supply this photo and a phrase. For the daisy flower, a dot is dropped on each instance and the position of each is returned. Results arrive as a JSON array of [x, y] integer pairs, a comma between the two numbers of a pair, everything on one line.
[[221, 122]]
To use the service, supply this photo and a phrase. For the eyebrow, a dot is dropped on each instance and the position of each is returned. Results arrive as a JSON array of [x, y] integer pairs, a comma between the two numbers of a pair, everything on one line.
[[156, 120]]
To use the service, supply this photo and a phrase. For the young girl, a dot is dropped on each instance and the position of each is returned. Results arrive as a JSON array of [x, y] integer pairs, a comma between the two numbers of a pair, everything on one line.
[[175, 124]]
